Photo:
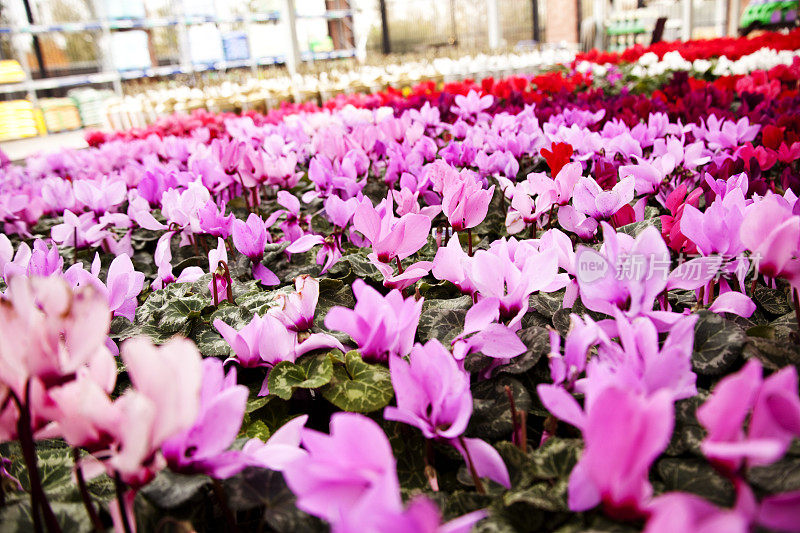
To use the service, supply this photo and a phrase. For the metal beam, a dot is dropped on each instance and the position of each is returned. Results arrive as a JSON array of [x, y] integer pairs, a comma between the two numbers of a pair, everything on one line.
[[293, 52], [688, 20], [37, 49], [386, 44]]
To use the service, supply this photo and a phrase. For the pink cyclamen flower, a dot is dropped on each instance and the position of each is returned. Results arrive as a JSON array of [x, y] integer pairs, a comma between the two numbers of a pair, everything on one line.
[[421, 516], [391, 237], [471, 104], [296, 310], [244, 342], [122, 287], [281, 449], [774, 410], [678, 511], [772, 233], [50, 332], [591, 200], [213, 220], [250, 238], [716, 230], [450, 265], [465, 202], [39, 261], [203, 447], [380, 325], [433, 395], [511, 272], [351, 470], [156, 408], [644, 264], [637, 364], [483, 333]]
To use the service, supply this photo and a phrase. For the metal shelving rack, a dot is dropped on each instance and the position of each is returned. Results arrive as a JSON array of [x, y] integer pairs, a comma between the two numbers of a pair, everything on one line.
[[109, 74]]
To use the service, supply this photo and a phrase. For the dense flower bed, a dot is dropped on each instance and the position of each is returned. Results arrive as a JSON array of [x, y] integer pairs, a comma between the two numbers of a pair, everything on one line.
[[558, 302]]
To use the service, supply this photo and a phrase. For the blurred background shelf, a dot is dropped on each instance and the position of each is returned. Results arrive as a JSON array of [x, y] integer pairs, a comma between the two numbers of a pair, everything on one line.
[[49, 47]]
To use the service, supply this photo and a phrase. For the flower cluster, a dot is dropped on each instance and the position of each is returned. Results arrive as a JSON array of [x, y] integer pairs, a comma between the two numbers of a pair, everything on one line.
[[434, 276]]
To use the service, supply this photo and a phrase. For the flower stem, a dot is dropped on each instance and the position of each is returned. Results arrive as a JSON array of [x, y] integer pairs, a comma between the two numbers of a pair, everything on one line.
[[515, 420], [75, 245], [430, 469], [475, 478], [214, 288], [26, 442], [123, 512], [219, 494], [229, 287], [469, 241], [796, 309], [85, 496]]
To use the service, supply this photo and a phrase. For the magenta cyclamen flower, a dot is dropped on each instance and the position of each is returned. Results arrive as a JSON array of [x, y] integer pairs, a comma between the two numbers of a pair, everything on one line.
[[380, 325], [465, 201], [433, 394], [771, 231], [213, 220], [638, 364], [678, 511], [350, 471], [420, 516], [624, 433], [483, 333], [774, 410], [203, 448]]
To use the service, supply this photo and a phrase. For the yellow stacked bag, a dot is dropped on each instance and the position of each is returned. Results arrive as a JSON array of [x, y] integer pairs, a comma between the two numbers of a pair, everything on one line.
[[11, 72], [17, 120]]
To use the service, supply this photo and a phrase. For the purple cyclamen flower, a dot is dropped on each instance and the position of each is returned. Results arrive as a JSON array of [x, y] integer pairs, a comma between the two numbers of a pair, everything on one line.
[[250, 238]]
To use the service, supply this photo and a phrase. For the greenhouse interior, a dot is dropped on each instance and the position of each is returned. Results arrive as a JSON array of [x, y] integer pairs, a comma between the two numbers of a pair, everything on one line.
[[389, 266]]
